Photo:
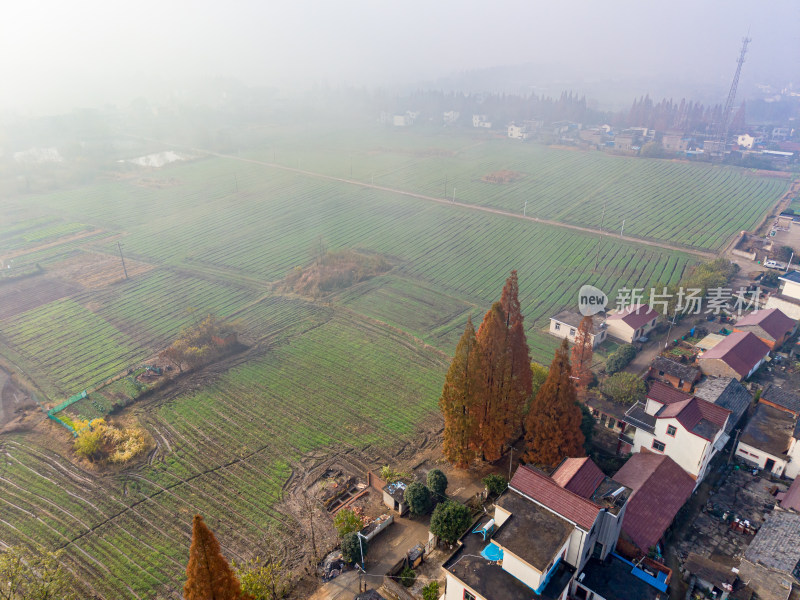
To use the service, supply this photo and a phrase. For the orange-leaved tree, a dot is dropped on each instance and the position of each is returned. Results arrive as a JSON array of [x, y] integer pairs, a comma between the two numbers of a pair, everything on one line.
[[458, 399], [519, 391], [208, 574], [494, 381], [553, 424], [582, 353]]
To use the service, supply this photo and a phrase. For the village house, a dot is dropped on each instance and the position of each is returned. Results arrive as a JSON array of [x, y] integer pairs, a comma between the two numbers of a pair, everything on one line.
[[689, 430], [790, 499], [745, 140], [770, 325], [450, 116], [717, 579], [626, 142], [675, 142], [788, 297], [777, 397], [550, 538], [769, 441], [660, 488], [678, 375], [481, 122], [739, 355], [565, 325], [770, 563], [632, 322], [517, 132]]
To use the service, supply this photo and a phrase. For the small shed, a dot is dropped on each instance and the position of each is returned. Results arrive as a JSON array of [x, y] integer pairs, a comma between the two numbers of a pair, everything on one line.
[[708, 342], [393, 497]]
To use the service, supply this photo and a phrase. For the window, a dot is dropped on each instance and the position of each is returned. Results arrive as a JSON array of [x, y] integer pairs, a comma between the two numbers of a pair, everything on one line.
[[469, 595], [658, 446], [671, 430], [572, 332], [661, 373], [611, 422], [653, 322]]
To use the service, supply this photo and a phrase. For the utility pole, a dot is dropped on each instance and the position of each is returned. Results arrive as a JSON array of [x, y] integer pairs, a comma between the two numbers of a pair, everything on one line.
[[525, 210], [510, 461], [445, 186], [623, 228], [733, 448], [454, 195], [236, 179], [123, 260]]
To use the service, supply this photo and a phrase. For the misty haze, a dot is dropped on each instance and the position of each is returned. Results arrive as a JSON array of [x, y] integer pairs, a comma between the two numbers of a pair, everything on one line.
[[399, 301]]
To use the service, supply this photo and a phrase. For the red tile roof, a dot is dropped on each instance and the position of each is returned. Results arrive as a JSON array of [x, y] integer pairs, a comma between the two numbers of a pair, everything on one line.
[[691, 412], [791, 500], [660, 488], [772, 320], [635, 315], [579, 475], [666, 394], [545, 491], [740, 351]]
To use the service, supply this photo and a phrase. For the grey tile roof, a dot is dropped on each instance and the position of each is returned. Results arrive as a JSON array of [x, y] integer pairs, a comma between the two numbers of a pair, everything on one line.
[[637, 417], [676, 369], [727, 393], [777, 543], [781, 397], [573, 319], [770, 430]]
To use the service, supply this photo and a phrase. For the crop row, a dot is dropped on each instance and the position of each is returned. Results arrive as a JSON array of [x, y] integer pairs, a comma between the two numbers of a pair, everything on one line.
[[690, 204], [225, 456]]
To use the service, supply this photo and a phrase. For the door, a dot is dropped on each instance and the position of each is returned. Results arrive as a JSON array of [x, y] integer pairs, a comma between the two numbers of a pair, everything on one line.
[[769, 465]]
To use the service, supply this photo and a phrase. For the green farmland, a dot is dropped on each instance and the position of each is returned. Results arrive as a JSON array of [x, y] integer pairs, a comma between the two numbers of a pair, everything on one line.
[[358, 371], [689, 204]]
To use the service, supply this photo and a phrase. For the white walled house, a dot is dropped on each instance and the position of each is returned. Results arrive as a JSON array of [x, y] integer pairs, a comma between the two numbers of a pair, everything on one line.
[[565, 325], [769, 441], [632, 322], [689, 430], [551, 538], [517, 132], [481, 122]]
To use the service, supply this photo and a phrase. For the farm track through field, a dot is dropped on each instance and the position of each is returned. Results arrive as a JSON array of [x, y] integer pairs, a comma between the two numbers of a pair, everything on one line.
[[476, 207], [64, 240]]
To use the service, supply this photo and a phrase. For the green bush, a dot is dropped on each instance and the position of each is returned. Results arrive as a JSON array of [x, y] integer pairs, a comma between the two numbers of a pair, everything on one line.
[[450, 519], [407, 577], [352, 546], [496, 484], [620, 358], [625, 388], [437, 483], [431, 591], [418, 498], [347, 521]]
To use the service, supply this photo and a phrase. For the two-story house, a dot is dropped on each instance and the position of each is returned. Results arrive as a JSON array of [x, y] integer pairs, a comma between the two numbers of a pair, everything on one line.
[[688, 429], [548, 538]]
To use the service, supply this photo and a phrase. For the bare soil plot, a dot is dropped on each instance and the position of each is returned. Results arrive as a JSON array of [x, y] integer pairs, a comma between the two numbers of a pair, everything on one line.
[[93, 270], [504, 176], [22, 295]]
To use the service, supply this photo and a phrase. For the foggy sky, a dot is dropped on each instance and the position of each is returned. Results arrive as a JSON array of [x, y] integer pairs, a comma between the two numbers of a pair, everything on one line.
[[57, 54]]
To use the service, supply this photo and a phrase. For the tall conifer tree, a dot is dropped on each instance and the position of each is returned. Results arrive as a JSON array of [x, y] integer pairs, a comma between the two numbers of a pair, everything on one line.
[[458, 399], [553, 424], [582, 353], [494, 383], [519, 392], [208, 574]]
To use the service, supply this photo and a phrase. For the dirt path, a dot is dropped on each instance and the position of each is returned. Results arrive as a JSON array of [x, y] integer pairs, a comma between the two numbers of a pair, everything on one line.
[[477, 207], [63, 240], [647, 355]]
